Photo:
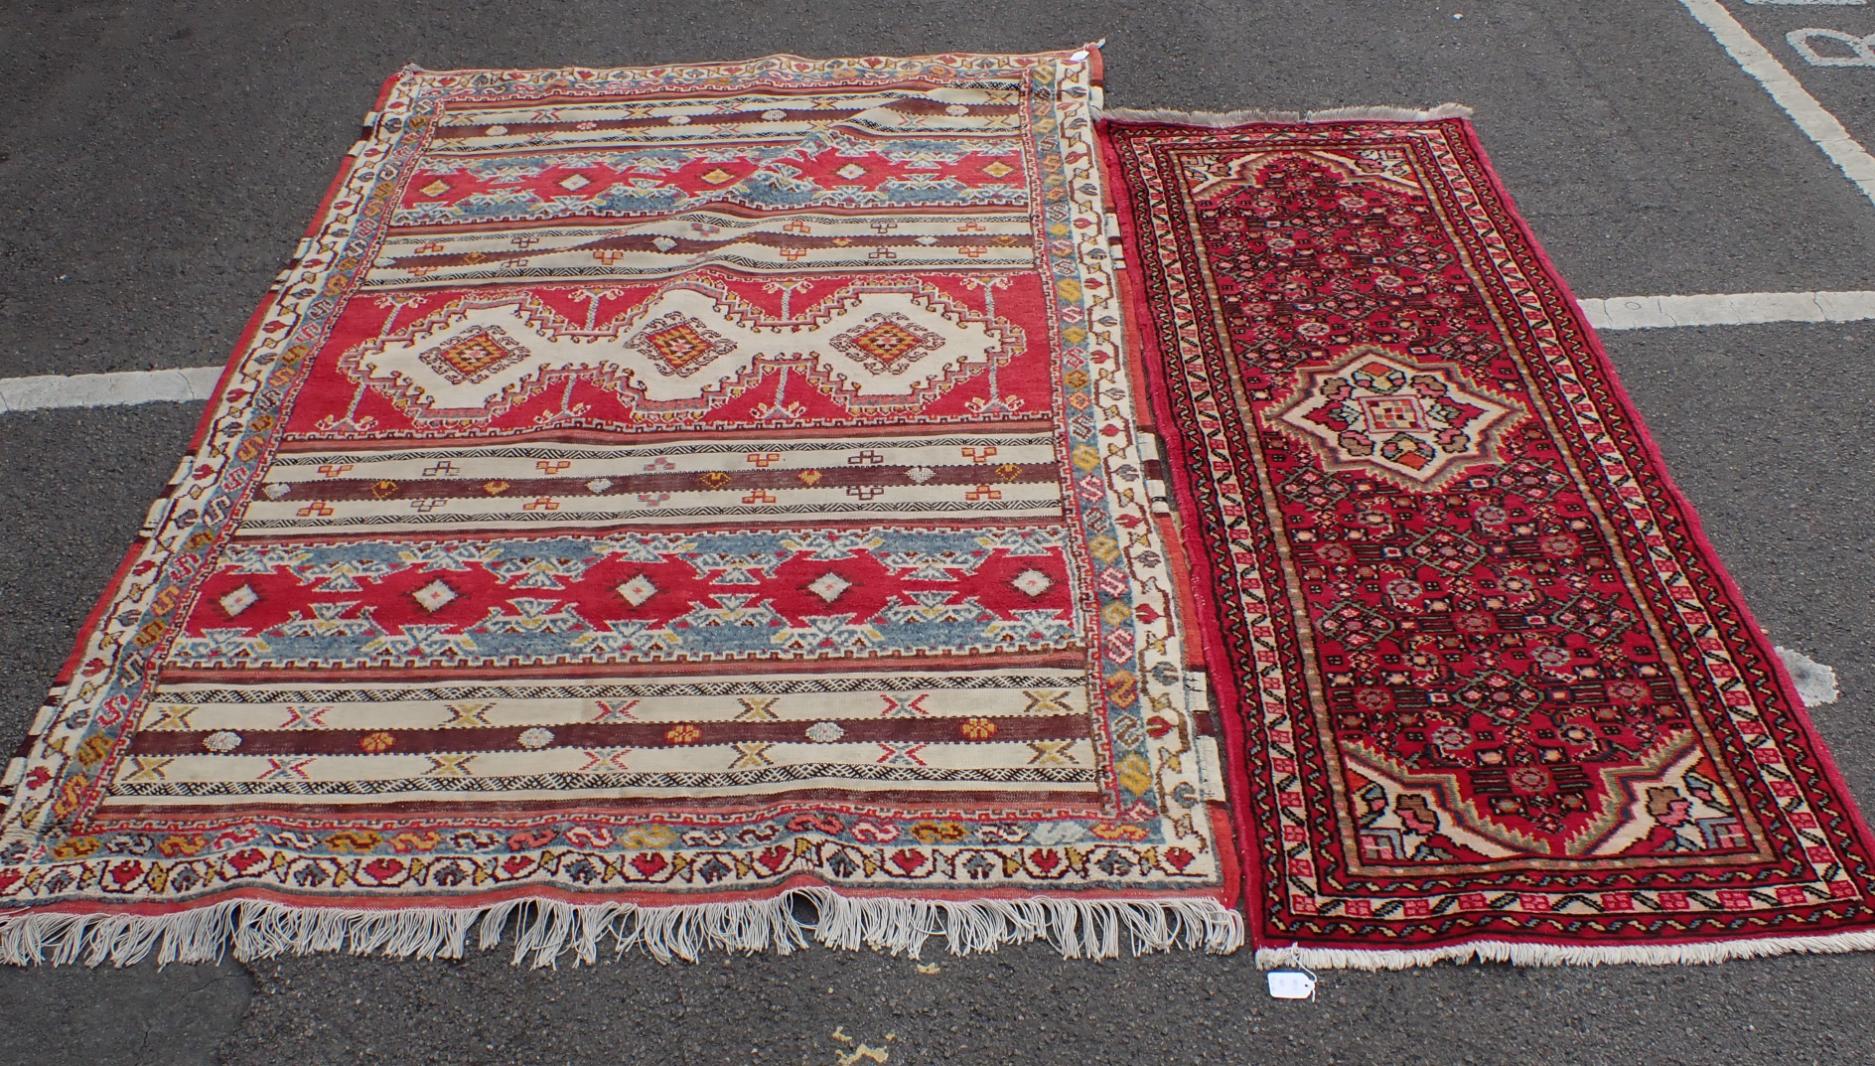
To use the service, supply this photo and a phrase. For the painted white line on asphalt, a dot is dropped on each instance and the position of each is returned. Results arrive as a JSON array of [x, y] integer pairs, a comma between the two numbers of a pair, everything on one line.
[[1728, 309], [1817, 124], [106, 390], [1608, 313]]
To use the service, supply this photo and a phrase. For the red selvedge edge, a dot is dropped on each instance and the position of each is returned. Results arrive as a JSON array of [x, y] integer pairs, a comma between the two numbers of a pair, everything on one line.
[[1138, 309]]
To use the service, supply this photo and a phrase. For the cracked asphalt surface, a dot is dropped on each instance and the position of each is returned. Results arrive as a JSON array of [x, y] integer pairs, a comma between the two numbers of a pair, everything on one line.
[[160, 161]]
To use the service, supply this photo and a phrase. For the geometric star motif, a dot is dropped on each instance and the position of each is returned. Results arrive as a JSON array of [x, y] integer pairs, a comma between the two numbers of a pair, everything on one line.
[[1378, 411]]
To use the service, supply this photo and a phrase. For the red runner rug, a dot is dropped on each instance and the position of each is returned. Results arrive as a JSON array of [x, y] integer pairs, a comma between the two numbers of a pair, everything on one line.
[[1494, 696], [651, 495]]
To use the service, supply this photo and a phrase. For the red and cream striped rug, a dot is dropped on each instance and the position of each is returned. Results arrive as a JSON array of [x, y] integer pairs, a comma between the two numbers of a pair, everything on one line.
[[651, 496]]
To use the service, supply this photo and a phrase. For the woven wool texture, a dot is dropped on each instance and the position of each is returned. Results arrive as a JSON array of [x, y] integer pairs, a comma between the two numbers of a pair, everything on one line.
[[858, 500], [1493, 694], [652, 494]]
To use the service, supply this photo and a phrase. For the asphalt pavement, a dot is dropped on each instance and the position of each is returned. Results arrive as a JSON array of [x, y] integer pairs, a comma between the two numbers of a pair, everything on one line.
[[159, 162]]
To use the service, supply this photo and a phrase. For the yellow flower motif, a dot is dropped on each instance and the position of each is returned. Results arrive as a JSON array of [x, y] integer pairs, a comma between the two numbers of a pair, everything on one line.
[[376, 742], [979, 728], [683, 733]]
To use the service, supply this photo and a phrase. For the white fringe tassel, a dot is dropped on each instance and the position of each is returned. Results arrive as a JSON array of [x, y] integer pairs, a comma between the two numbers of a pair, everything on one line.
[[1327, 114], [1565, 955], [544, 931]]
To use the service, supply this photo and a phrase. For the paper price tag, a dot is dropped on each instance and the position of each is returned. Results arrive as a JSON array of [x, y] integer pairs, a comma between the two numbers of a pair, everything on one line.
[[1287, 983]]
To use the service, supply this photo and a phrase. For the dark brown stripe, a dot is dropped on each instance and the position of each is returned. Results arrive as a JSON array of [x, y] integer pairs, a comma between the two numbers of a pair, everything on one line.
[[232, 811], [642, 243], [628, 436], [627, 484], [911, 106], [465, 531], [736, 210], [1066, 658], [394, 741]]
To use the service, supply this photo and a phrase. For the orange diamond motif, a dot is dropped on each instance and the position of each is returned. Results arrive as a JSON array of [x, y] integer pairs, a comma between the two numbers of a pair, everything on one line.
[[475, 356], [886, 343], [679, 344]]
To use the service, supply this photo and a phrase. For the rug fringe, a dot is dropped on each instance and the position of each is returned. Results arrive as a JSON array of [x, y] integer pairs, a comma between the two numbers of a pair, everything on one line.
[[545, 931], [1564, 954], [1327, 114]]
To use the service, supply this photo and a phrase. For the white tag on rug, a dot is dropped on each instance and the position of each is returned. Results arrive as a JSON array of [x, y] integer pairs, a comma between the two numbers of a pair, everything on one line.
[[1288, 983]]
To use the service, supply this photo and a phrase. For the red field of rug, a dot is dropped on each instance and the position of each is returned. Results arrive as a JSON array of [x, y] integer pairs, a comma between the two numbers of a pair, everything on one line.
[[1494, 696]]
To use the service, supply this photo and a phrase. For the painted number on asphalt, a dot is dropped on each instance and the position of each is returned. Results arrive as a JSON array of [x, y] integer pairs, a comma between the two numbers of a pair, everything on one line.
[[1861, 49]]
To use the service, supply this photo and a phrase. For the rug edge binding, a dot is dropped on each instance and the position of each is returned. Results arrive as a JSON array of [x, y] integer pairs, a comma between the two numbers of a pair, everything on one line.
[[1537, 954], [545, 931], [1378, 113]]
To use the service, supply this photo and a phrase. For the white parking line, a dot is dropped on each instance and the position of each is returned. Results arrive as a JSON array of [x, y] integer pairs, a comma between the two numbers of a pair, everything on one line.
[[1604, 313], [1817, 124], [106, 390], [1728, 309]]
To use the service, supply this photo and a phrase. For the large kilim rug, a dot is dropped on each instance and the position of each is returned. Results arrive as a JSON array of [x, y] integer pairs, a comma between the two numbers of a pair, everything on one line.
[[650, 496], [1495, 696]]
